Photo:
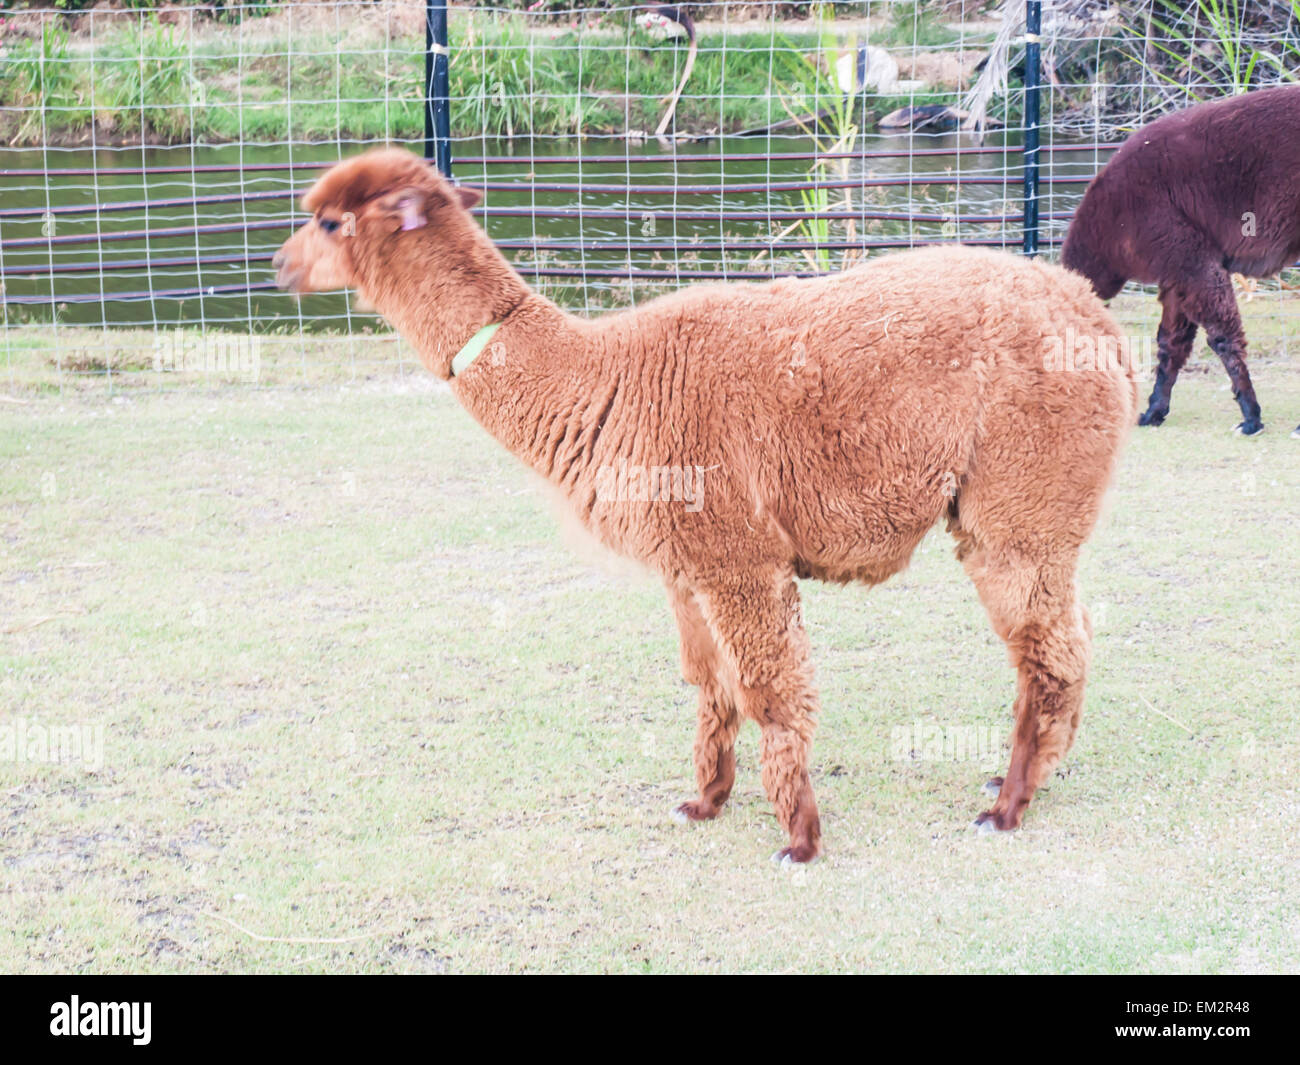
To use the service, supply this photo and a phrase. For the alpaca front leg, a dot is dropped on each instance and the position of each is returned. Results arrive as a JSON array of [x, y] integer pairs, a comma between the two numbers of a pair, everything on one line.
[[755, 621], [718, 722], [785, 752], [715, 756]]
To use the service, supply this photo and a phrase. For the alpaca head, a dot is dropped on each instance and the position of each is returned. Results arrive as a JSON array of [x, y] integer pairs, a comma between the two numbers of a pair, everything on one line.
[[362, 209]]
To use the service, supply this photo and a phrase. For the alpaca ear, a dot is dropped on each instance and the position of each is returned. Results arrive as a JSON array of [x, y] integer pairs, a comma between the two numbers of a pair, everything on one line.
[[469, 198], [406, 206]]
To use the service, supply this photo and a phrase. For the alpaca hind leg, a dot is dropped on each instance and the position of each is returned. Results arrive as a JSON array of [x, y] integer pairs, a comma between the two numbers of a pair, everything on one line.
[[1213, 304], [718, 721], [1034, 608], [1174, 342], [755, 621]]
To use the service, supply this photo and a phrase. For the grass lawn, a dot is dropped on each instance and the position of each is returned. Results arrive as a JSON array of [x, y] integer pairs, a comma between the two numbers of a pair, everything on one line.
[[366, 708]]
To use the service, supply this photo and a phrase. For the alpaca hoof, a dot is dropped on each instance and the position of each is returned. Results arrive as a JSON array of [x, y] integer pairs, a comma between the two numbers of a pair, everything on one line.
[[987, 824], [1153, 417], [1249, 428], [693, 811], [787, 857], [992, 788], [1296, 433]]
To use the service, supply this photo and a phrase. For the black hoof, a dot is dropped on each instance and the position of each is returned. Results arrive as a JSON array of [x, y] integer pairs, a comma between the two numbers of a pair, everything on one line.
[[1249, 428], [1153, 417], [1296, 434]]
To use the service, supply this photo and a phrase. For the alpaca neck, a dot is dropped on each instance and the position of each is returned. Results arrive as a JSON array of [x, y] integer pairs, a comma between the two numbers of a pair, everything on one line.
[[1087, 251], [534, 385], [544, 386], [437, 297]]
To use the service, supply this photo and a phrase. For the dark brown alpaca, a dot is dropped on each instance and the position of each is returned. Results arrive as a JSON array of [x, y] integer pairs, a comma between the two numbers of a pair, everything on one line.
[[826, 426], [1185, 203]]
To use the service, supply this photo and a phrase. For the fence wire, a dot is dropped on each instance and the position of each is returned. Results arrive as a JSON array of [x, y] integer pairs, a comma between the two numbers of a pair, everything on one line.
[[151, 158]]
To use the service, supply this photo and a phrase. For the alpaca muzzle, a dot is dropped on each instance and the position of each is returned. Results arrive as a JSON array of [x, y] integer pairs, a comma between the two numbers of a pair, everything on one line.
[[287, 275]]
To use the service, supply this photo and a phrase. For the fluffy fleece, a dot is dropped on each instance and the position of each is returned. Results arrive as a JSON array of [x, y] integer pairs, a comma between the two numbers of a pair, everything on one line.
[[1185, 203], [830, 424]]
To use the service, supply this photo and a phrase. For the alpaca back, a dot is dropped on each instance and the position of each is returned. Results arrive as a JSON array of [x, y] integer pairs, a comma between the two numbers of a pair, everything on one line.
[[845, 410], [1220, 179], [1233, 169]]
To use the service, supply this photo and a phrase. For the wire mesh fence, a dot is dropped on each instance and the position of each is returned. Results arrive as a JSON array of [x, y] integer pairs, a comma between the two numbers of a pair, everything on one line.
[[151, 157]]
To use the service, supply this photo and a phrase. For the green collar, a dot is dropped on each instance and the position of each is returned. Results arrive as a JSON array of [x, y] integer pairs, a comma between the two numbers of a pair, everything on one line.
[[471, 350]]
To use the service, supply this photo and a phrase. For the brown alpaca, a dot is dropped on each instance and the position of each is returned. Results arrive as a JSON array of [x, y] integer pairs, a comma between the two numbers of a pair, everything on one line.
[[1185, 203], [826, 426]]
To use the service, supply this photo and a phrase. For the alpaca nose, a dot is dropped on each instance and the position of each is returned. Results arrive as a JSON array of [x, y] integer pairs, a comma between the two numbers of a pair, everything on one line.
[[285, 277]]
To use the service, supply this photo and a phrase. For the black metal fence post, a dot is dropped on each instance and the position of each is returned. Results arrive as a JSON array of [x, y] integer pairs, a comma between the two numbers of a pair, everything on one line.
[[1033, 31], [437, 86]]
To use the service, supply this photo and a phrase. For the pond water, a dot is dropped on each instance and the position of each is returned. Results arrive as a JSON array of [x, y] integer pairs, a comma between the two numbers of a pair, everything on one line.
[[78, 242]]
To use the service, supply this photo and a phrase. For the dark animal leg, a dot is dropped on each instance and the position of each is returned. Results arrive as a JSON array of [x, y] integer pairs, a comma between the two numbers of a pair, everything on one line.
[[1174, 344], [1233, 355], [718, 722], [1213, 304]]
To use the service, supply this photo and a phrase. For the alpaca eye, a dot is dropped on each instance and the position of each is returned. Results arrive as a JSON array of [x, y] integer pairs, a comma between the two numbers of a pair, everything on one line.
[[329, 225]]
